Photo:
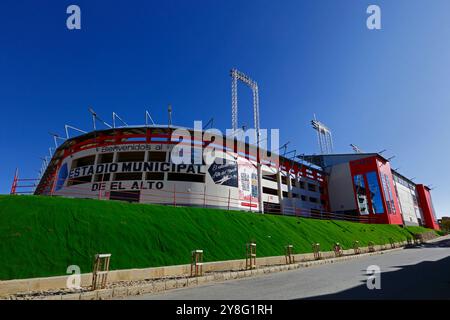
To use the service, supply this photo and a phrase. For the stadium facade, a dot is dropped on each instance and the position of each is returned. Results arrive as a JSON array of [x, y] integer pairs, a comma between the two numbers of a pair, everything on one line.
[[135, 164]]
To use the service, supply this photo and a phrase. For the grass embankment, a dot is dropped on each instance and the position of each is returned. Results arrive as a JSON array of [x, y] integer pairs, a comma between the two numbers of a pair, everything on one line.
[[42, 236]]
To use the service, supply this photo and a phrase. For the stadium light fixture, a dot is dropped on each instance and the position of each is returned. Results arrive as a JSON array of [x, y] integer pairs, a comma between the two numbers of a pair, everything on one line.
[[114, 116], [96, 117], [284, 146], [324, 136], [67, 127], [147, 117], [45, 160], [209, 123], [169, 110], [355, 148], [56, 137]]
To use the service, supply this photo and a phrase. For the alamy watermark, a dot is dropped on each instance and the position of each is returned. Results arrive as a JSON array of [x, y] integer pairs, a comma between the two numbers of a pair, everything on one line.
[[207, 146], [373, 281], [373, 22], [73, 21], [74, 280]]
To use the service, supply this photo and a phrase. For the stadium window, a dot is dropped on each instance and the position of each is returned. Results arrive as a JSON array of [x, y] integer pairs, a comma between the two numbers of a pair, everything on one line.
[[311, 187], [82, 162], [106, 158], [128, 176], [293, 183], [157, 156], [303, 198], [271, 191], [129, 196], [131, 157], [270, 177], [185, 177], [102, 177], [302, 184], [285, 194], [154, 176], [79, 180], [312, 199], [294, 195], [283, 180]]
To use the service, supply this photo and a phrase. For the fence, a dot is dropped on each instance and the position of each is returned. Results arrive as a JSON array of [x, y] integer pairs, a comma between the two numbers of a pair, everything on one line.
[[23, 186], [175, 197]]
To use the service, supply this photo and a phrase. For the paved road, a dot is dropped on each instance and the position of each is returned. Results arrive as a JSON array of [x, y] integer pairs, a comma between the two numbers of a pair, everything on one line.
[[416, 273]]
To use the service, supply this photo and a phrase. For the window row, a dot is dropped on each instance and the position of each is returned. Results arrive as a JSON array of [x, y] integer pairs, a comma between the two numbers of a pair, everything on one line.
[[154, 176]]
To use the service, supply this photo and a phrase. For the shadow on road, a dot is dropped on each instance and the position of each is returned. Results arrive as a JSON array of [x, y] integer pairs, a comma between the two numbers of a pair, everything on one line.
[[425, 280]]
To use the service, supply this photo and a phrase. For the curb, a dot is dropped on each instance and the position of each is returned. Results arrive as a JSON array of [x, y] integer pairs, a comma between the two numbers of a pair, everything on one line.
[[159, 286]]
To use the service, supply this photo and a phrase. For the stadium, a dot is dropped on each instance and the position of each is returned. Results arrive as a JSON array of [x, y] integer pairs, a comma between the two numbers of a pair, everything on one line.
[[136, 164]]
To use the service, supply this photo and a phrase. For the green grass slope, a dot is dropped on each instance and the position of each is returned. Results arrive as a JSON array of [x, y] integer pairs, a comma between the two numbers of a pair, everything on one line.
[[42, 236]]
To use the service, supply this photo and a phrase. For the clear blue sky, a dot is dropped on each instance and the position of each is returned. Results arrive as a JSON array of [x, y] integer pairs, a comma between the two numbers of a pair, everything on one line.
[[386, 89]]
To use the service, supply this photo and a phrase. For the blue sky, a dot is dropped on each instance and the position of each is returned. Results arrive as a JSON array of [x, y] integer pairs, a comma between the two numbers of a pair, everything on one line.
[[386, 89]]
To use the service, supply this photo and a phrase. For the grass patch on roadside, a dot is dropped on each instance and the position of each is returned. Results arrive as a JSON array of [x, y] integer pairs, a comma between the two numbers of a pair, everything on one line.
[[42, 236]]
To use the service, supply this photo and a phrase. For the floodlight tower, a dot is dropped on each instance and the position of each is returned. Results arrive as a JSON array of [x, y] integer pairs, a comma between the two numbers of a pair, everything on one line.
[[236, 76], [324, 137]]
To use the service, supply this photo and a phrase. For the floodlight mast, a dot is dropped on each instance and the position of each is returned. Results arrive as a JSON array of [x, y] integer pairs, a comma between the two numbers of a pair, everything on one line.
[[324, 137], [236, 76]]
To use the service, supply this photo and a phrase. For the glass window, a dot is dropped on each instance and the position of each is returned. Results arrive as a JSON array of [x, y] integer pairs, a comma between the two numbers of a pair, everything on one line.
[[131, 156], [157, 156], [361, 195], [171, 176], [83, 162], [106, 158], [388, 193], [375, 193]]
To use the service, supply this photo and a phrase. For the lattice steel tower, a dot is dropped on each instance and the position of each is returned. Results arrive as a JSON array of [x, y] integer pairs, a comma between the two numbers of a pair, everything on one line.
[[324, 137], [235, 76]]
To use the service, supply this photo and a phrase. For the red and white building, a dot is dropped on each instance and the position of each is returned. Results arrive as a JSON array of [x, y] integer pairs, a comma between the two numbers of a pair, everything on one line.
[[365, 185], [134, 164]]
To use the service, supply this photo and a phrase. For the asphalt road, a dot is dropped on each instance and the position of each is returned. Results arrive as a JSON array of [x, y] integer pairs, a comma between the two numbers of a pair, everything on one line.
[[414, 273]]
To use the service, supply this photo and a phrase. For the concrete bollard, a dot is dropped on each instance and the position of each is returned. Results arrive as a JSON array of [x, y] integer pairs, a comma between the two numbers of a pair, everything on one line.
[[356, 247], [288, 252]]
